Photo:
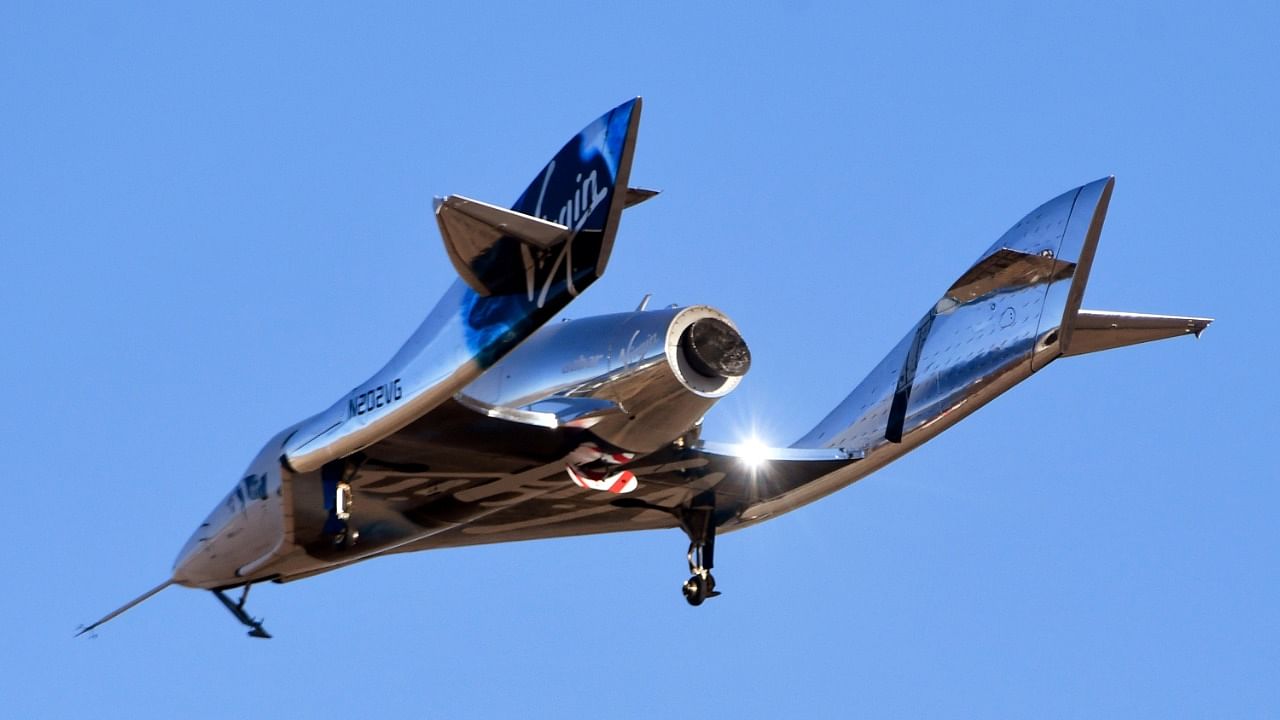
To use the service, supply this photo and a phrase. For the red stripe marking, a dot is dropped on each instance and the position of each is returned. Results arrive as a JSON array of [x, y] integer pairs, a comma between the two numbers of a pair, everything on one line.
[[623, 478]]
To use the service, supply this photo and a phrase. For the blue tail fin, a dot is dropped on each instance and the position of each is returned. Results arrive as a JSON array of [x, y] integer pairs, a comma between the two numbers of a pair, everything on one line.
[[556, 239], [584, 186]]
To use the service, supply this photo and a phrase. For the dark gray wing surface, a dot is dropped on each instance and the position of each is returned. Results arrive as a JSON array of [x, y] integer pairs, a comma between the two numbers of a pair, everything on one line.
[[436, 484]]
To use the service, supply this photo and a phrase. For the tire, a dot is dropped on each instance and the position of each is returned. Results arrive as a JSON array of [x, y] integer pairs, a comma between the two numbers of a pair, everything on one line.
[[695, 590]]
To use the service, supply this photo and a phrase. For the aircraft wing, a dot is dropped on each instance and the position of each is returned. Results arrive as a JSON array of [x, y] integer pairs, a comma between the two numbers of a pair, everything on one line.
[[452, 479]]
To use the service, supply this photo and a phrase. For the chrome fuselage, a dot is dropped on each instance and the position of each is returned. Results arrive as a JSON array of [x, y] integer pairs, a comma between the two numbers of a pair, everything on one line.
[[494, 424], [634, 384], [627, 378]]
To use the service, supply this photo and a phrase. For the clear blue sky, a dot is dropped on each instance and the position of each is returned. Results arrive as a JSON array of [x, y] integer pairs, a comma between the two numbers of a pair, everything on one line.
[[215, 221]]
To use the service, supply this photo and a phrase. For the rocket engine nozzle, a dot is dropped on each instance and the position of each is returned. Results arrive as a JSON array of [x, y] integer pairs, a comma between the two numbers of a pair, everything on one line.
[[715, 349]]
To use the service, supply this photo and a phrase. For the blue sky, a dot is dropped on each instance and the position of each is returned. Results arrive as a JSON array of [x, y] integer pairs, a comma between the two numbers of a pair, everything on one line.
[[215, 220]]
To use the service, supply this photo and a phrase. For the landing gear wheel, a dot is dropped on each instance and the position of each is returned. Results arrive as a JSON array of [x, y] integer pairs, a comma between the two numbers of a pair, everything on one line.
[[345, 538], [695, 590]]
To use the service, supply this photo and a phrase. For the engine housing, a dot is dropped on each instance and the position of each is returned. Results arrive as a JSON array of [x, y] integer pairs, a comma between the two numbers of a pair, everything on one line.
[[658, 371]]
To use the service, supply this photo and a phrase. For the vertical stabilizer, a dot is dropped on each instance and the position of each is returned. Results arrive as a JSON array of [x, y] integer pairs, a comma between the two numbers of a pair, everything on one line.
[[1009, 314], [1078, 244]]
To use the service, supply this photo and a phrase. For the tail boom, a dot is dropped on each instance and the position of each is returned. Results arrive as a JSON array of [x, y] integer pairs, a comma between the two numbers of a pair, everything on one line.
[[1015, 310]]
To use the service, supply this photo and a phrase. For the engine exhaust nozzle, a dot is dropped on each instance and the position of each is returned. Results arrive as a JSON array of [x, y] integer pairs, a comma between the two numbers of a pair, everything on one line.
[[714, 349]]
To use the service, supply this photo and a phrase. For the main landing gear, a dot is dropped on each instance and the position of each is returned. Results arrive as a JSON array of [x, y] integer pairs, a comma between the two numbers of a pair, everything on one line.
[[237, 609], [698, 523], [697, 519]]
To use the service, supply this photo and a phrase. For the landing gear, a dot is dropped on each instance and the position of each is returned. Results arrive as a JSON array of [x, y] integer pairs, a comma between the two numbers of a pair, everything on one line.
[[237, 609], [698, 522], [337, 500], [698, 588], [344, 536]]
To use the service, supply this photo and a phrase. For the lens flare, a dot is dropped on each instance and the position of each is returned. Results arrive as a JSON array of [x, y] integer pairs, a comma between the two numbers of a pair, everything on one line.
[[753, 452]]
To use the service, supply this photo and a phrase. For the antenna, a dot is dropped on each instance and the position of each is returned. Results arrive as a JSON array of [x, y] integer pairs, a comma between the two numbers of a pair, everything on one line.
[[136, 601]]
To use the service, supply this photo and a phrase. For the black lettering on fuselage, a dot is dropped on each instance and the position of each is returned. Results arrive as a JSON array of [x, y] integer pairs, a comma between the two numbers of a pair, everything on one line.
[[374, 398]]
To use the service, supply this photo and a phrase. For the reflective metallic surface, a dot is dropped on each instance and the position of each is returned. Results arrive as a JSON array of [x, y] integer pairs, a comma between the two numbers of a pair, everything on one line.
[[526, 282], [493, 425], [251, 527], [1095, 331], [1008, 315], [489, 466], [636, 363], [1008, 308]]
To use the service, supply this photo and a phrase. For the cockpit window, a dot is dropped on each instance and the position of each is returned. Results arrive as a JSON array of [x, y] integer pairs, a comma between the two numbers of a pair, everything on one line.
[[255, 487]]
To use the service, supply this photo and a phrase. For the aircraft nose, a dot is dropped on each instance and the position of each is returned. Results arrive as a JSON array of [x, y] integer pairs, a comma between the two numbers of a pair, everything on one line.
[[184, 566]]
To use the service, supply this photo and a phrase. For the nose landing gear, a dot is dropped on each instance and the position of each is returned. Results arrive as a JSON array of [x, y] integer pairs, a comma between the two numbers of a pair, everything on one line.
[[237, 609]]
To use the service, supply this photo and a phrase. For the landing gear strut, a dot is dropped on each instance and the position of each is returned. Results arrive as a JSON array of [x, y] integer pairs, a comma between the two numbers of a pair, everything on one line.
[[698, 523], [237, 609], [337, 501]]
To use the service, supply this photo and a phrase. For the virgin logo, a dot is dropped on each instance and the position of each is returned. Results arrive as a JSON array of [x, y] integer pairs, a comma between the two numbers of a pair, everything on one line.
[[573, 215]]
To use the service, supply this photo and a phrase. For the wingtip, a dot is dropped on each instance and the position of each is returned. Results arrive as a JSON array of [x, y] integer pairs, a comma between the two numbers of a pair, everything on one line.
[[1199, 325]]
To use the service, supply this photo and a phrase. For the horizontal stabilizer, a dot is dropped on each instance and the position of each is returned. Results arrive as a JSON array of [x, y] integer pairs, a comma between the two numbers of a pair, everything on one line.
[[636, 195], [471, 228], [1097, 330]]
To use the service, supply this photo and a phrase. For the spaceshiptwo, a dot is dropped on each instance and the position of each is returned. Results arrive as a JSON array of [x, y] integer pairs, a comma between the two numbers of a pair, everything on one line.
[[492, 425]]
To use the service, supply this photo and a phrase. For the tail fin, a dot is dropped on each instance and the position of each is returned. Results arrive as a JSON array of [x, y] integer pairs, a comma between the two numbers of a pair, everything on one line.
[[558, 236], [517, 269], [584, 187], [1014, 311]]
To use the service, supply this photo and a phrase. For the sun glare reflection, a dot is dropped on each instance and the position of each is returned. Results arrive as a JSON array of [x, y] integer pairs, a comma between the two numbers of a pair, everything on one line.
[[753, 452]]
